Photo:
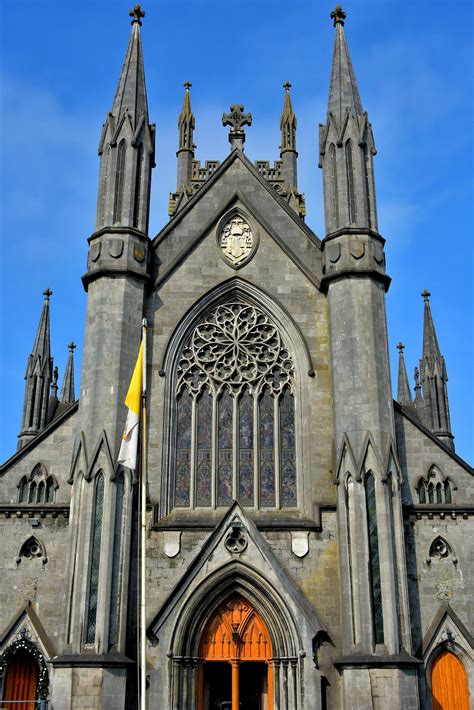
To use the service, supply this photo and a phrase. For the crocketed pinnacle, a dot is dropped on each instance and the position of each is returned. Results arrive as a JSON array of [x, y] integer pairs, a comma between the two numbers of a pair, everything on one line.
[[186, 121], [131, 89], [42, 346], [404, 394], [68, 394], [288, 122], [431, 350], [343, 92]]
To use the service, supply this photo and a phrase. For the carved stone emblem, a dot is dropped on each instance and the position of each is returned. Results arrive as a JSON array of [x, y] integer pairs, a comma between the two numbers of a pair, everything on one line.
[[236, 240], [236, 540], [115, 248], [95, 250], [357, 249]]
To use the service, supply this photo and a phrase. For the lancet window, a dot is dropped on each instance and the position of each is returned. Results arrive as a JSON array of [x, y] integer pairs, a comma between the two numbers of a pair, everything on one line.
[[119, 182], [374, 559], [333, 186], [235, 413], [350, 184], [91, 617]]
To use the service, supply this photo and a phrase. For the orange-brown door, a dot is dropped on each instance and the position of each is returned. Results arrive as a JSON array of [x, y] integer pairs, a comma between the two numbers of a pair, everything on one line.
[[21, 681], [449, 683], [236, 635]]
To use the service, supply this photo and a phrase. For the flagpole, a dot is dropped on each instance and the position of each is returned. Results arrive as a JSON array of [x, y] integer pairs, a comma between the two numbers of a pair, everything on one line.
[[143, 531]]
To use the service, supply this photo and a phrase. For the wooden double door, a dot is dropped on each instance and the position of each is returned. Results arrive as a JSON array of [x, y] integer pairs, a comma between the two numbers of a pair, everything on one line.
[[236, 671], [21, 681]]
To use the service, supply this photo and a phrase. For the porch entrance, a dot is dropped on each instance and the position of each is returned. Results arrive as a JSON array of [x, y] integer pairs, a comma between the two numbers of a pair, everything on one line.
[[236, 671]]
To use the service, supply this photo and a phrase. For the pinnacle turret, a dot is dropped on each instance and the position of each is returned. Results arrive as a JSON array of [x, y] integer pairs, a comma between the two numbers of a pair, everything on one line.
[[404, 394], [127, 145], [38, 376], [68, 395], [434, 377], [346, 145], [185, 154], [288, 152]]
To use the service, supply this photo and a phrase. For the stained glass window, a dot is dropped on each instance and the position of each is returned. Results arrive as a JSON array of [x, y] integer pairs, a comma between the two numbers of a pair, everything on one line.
[[183, 447], [246, 458], [287, 448], [204, 450], [374, 560], [267, 449], [95, 560], [115, 596], [225, 436], [234, 399]]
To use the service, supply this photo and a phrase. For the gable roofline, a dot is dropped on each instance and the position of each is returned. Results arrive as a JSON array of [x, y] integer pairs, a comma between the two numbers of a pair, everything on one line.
[[444, 611], [234, 155], [236, 196], [411, 418], [18, 455], [28, 612]]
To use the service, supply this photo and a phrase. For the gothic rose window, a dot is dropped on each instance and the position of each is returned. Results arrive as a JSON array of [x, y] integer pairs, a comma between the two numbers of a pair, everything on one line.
[[235, 413]]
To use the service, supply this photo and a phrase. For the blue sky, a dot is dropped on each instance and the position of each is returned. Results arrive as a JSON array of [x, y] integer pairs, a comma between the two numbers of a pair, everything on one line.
[[59, 67]]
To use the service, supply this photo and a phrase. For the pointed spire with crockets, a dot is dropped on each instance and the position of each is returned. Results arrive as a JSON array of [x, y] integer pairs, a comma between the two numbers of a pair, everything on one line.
[[68, 395], [404, 394], [186, 145], [288, 152], [433, 380], [38, 376], [127, 144], [346, 145]]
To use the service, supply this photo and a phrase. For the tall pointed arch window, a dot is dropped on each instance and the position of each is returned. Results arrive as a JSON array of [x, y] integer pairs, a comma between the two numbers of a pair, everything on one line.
[[138, 187], [91, 617], [234, 434], [374, 560]]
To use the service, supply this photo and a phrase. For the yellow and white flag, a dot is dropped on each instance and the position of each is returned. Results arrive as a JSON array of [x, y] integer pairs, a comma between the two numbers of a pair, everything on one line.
[[129, 447]]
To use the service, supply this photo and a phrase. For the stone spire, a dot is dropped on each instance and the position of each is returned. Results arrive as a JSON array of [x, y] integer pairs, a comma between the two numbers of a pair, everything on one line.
[[127, 144], [130, 94], [68, 395], [185, 154], [38, 376], [434, 377], [288, 152], [404, 394], [346, 145], [343, 90]]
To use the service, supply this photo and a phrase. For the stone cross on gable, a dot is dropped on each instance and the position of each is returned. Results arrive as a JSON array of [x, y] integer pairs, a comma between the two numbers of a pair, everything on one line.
[[237, 119]]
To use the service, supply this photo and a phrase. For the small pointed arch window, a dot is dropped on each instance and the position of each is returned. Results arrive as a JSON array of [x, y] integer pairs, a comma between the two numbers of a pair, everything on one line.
[[23, 488], [103, 190], [421, 492], [334, 204], [351, 198], [235, 433], [119, 182]]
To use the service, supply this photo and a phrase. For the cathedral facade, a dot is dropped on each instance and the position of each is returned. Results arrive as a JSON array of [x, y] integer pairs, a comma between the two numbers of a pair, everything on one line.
[[308, 538]]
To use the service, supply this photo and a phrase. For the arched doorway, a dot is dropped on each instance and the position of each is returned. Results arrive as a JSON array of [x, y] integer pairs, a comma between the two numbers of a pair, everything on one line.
[[236, 671], [21, 681], [449, 683]]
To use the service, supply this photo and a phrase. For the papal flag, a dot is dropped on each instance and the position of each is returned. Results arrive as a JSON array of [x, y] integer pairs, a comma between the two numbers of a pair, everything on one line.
[[129, 447]]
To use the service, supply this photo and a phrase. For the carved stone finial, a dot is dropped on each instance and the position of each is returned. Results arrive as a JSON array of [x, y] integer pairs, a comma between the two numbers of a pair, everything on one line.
[[47, 293], [187, 85], [55, 377], [425, 295], [287, 86], [72, 346], [400, 347], [237, 119], [417, 377], [338, 15], [137, 13]]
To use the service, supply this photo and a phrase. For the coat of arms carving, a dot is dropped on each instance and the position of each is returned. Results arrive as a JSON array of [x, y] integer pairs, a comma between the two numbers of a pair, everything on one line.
[[236, 240]]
